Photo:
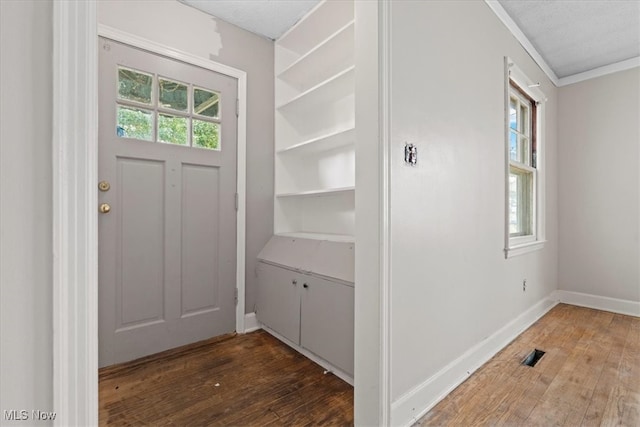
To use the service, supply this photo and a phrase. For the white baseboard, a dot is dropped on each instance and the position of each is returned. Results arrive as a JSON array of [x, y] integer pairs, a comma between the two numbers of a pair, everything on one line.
[[251, 323], [620, 306], [320, 361], [411, 406]]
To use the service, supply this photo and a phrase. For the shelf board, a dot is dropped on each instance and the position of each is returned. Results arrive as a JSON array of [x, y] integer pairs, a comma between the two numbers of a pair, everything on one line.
[[325, 92], [320, 236], [314, 27], [336, 52], [312, 193], [327, 142]]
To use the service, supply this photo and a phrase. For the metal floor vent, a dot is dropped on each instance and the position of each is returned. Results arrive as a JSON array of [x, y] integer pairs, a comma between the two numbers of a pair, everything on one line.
[[533, 358]]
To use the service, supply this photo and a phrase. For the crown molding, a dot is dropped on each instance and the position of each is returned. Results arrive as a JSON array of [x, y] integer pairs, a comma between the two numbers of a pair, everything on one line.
[[601, 71], [502, 14]]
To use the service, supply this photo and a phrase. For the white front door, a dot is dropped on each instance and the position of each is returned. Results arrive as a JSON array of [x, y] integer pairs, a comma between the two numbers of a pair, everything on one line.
[[167, 227]]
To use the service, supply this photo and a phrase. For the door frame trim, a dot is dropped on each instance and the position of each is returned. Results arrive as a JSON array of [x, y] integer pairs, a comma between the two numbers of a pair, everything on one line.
[[75, 198], [157, 48], [74, 213]]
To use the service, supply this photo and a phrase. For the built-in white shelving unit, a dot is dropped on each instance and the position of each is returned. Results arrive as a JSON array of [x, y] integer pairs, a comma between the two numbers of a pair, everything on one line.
[[346, 238], [315, 126], [315, 193], [327, 142], [306, 271]]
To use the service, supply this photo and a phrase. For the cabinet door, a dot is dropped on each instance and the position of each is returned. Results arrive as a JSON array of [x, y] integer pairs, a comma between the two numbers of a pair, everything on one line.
[[327, 321], [279, 301]]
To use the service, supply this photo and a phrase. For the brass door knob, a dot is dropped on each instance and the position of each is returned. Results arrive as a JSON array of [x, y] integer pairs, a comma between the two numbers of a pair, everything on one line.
[[105, 208], [104, 186]]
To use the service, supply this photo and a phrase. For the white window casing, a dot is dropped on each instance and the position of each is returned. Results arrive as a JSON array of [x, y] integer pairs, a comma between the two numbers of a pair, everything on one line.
[[518, 245]]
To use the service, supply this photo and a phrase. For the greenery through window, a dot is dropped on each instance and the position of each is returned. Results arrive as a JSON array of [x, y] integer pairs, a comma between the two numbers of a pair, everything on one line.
[[152, 108]]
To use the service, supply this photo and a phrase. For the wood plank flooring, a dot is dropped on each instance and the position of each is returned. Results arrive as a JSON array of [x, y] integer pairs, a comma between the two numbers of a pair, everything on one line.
[[243, 380], [589, 376]]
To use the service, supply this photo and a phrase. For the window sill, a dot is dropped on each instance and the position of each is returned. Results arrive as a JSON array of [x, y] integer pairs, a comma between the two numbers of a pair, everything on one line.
[[523, 248]]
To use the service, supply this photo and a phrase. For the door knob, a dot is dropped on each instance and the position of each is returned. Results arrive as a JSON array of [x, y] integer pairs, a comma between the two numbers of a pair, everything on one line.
[[104, 186], [105, 208]]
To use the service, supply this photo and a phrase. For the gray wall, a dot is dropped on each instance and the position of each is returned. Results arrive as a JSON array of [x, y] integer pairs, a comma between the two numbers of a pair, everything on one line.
[[181, 27], [600, 186], [451, 284], [26, 370]]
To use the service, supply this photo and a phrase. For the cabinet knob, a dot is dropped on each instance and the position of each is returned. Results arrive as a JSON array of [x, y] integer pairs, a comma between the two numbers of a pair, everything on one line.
[[294, 282], [305, 286]]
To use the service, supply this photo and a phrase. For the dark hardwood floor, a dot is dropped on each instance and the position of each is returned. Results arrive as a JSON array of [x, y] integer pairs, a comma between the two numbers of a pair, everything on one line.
[[589, 376], [237, 380]]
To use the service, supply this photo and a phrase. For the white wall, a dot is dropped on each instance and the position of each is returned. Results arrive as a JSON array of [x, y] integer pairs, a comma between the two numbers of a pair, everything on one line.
[[26, 368], [189, 30], [451, 286], [599, 186]]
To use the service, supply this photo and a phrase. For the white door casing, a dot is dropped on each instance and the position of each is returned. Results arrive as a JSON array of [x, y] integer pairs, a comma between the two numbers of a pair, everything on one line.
[[167, 246]]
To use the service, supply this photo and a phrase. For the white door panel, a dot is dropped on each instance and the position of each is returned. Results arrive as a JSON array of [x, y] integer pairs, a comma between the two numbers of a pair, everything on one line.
[[167, 247]]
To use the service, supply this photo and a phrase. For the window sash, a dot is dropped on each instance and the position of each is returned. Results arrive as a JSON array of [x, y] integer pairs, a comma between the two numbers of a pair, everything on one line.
[[526, 212]]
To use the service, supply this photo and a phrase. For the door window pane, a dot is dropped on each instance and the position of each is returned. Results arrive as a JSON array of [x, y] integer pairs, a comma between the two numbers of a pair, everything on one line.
[[206, 103], [134, 85], [173, 95], [206, 135], [134, 123], [172, 129]]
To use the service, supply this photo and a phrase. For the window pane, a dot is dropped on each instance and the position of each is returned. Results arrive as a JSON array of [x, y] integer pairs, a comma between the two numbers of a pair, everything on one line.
[[206, 135], [520, 202], [172, 129], [173, 95], [134, 123], [134, 85], [206, 103], [524, 120], [514, 223], [513, 116], [525, 150], [514, 151]]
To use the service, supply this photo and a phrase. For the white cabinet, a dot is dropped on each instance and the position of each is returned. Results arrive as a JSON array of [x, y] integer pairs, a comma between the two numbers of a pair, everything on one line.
[[326, 321], [279, 301], [315, 125], [305, 273], [306, 295], [311, 312]]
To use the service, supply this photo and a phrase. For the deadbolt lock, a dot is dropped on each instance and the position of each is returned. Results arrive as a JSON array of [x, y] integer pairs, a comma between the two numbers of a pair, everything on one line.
[[104, 186], [105, 208]]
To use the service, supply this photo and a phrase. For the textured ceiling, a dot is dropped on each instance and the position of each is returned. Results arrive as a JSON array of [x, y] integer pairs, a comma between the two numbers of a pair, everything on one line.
[[269, 18], [574, 36]]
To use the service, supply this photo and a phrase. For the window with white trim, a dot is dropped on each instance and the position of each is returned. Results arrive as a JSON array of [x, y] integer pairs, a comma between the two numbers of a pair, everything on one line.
[[524, 198]]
